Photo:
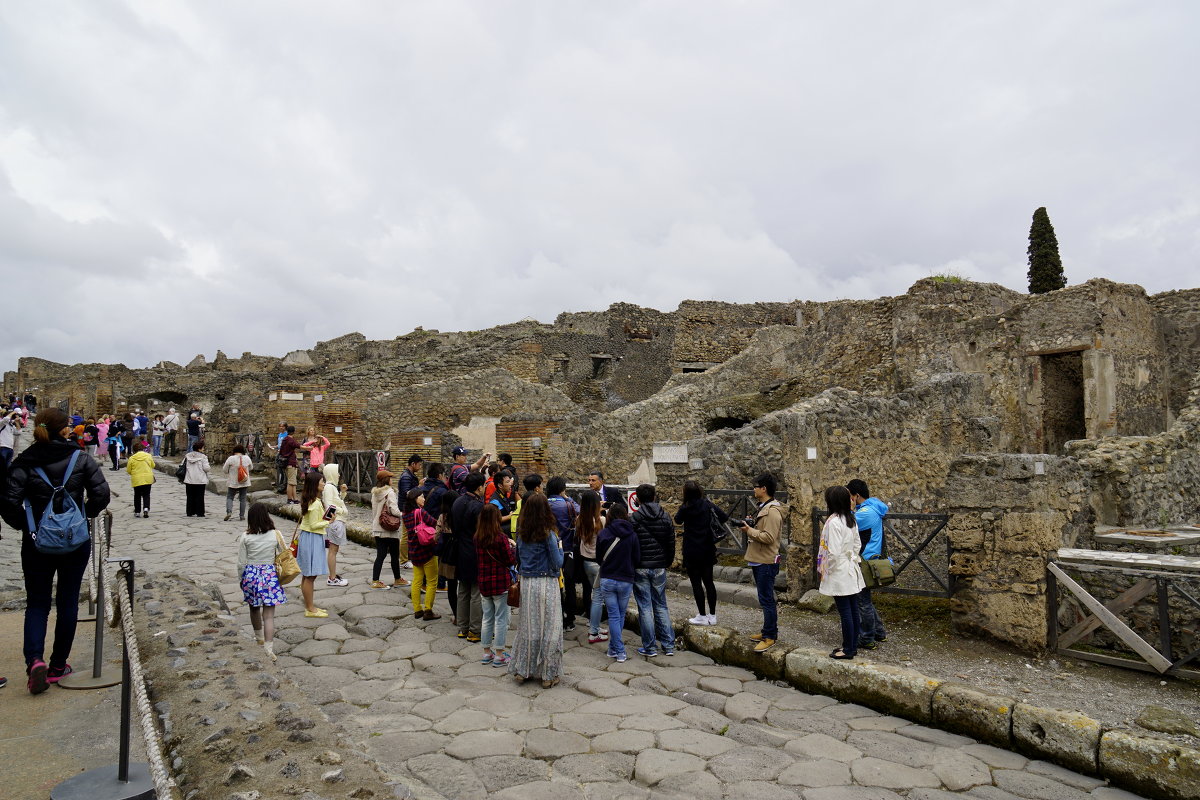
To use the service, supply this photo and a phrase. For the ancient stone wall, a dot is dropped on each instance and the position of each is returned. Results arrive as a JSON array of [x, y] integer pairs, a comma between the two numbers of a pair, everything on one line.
[[1179, 318]]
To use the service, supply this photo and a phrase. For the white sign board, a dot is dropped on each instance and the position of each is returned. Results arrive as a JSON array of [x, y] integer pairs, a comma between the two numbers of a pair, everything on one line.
[[273, 396], [292, 396], [318, 397], [670, 453]]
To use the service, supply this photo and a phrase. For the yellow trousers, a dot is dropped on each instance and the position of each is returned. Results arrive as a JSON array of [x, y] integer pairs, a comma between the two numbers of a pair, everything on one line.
[[426, 576]]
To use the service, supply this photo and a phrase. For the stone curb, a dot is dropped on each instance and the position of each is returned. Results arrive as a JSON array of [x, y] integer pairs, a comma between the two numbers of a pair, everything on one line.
[[1155, 768]]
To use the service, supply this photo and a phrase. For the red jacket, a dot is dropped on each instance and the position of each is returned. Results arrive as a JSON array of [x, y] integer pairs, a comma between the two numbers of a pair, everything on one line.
[[494, 561]]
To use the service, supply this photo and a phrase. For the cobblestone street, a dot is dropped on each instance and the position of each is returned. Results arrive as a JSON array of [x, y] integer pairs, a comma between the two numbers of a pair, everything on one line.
[[416, 698]]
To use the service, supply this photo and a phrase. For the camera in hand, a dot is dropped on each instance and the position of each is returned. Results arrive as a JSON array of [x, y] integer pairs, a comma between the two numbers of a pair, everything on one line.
[[748, 522]]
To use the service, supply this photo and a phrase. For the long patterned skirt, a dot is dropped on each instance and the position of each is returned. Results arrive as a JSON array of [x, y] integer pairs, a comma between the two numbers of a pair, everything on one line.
[[538, 647]]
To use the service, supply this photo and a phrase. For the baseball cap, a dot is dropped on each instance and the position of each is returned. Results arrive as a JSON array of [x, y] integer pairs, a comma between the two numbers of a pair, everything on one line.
[[459, 451]]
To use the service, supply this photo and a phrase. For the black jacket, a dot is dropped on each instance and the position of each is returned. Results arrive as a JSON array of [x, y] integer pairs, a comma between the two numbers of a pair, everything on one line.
[[52, 457], [656, 536], [433, 489], [699, 550], [464, 518], [408, 481]]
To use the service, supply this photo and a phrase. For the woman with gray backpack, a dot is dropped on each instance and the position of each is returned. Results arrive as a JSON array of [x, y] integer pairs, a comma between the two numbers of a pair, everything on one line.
[[53, 488]]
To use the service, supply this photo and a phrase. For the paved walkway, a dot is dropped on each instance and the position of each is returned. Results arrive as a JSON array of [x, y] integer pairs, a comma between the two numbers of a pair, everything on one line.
[[415, 697]]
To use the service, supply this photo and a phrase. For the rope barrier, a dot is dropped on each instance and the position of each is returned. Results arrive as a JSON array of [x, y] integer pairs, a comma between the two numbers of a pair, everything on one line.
[[164, 785]]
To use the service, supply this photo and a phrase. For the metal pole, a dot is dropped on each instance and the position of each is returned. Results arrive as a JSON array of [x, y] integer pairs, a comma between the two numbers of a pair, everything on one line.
[[1164, 618], [126, 687]]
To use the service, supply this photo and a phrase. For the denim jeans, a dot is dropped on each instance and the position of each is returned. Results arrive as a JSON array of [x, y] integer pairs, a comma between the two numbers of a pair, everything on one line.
[[6, 455], [847, 607], [764, 580], [156, 446], [240, 493], [39, 569], [616, 600], [871, 625], [592, 569], [650, 593], [495, 621], [192, 442]]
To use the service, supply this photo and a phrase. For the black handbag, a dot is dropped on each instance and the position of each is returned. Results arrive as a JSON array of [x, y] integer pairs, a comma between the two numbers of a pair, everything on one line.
[[181, 470], [718, 529]]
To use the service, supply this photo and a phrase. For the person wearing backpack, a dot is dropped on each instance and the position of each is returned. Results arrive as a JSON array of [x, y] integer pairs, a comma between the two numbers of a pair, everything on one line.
[[27, 496], [237, 481]]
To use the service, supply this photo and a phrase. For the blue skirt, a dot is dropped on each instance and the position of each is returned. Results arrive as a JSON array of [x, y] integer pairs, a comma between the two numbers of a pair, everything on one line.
[[310, 554], [260, 586]]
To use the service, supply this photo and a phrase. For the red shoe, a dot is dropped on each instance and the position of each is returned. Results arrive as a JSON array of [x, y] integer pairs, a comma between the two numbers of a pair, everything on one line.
[[37, 677], [55, 675]]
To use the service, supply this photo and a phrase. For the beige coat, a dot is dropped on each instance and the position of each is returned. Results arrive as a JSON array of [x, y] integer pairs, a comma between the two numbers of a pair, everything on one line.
[[381, 495], [762, 541]]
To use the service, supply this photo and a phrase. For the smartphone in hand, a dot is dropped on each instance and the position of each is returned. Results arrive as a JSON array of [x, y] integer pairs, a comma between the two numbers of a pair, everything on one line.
[[330, 513]]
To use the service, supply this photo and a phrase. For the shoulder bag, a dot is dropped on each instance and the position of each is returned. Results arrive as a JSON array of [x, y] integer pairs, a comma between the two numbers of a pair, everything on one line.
[[878, 572], [716, 527], [514, 588], [287, 569], [387, 520]]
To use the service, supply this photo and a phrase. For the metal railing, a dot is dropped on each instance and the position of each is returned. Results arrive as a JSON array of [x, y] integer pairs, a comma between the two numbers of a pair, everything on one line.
[[357, 468]]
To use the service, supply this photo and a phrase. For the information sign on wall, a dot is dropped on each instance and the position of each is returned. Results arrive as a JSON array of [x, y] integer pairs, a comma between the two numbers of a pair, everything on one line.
[[670, 453]]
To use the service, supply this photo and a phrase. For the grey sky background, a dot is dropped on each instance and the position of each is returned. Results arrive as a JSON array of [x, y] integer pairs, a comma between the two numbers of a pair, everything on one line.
[[182, 177]]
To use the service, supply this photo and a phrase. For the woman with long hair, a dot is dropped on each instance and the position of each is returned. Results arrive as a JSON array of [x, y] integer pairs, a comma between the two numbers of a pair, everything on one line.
[[387, 543], [537, 651], [496, 555], [838, 564], [425, 563], [697, 514], [587, 529], [49, 462], [310, 553]]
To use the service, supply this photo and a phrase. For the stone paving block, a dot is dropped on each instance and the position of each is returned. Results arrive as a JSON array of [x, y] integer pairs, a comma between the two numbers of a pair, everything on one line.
[[757, 734], [996, 757], [595, 767], [892, 747], [699, 697], [933, 794], [501, 772], [1035, 787], [1054, 772], [547, 743], [308, 676], [615, 791], [623, 741], [588, 725], [697, 743], [359, 612], [636, 665], [392, 722], [603, 687], [820, 746], [404, 650], [386, 671], [871, 771], [453, 779], [749, 763], [560, 699], [1068, 737], [822, 772], [475, 744], [352, 661], [655, 765], [992, 793], [748, 789], [435, 662], [894, 690], [704, 719], [638, 704], [500, 703], [361, 645], [923, 733], [439, 707], [315, 647], [876, 723], [809, 722], [722, 671], [725, 686], [958, 770], [797, 700], [372, 626], [745, 706], [969, 711], [364, 693], [1110, 793], [543, 790], [647, 685], [463, 720], [332, 630], [1154, 767], [674, 677], [686, 658], [848, 711], [524, 721], [650, 721], [397, 748]]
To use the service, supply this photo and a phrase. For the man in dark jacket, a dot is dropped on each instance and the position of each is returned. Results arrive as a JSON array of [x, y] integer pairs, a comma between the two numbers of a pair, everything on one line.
[[434, 488], [464, 517], [656, 540], [51, 452]]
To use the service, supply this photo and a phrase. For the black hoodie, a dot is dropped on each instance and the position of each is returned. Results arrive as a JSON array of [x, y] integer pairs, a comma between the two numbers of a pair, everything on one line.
[[52, 456]]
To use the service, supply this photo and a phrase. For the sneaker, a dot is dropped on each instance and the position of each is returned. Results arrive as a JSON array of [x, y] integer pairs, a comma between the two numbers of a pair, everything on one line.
[[379, 585], [867, 645], [406, 565], [320, 612], [621, 659], [401, 582], [699, 619], [227, 516], [3, 682], [488, 658], [462, 634], [37, 677], [501, 660], [55, 675], [597, 637], [568, 628], [756, 637], [647, 653], [337, 582], [668, 652], [712, 619], [473, 637], [429, 614], [764, 645], [146, 514]]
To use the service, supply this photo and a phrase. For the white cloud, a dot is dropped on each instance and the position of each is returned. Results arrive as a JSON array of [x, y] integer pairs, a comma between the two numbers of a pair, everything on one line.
[[291, 171]]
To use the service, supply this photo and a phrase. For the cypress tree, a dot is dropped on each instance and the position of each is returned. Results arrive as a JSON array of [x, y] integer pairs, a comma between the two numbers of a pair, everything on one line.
[[1045, 266]]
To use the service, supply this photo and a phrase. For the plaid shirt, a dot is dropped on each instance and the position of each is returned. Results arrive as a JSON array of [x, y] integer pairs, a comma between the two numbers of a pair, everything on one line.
[[494, 562], [418, 553]]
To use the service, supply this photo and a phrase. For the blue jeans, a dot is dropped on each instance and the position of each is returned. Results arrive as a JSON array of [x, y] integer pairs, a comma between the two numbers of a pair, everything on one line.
[[39, 569], [616, 600], [192, 442], [764, 580], [847, 607], [592, 568], [6, 455], [650, 593], [495, 621], [156, 446], [871, 625]]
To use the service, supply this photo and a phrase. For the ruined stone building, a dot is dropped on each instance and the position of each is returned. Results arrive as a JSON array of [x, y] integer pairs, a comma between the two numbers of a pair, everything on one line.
[[1029, 419]]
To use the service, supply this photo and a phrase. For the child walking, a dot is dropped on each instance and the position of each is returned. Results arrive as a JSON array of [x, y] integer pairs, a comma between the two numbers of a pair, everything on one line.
[[140, 467], [260, 584]]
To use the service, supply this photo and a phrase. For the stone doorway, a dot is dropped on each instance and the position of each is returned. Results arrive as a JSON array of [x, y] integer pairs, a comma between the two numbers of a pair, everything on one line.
[[1063, 413]]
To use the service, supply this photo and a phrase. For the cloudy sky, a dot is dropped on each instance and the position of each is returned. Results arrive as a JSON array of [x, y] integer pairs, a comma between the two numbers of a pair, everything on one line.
[[182, 177]]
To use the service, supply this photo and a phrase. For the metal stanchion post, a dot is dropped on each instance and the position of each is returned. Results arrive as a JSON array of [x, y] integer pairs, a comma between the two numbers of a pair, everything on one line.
[[122, 781], [99, 679]]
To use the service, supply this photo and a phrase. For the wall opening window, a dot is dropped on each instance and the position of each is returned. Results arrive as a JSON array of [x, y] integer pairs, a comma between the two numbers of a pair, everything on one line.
[[1062, 400], [726, 423]]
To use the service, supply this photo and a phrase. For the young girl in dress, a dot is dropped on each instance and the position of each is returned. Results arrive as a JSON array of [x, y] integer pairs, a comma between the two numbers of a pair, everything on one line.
[[260, 584]]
